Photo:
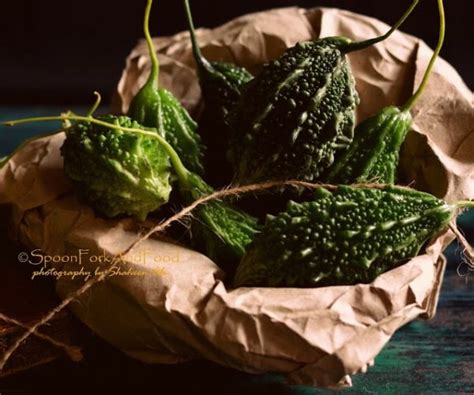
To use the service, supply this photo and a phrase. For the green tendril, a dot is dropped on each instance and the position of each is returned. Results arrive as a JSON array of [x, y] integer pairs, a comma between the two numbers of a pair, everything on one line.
[[96, 104], [178, 166], [200, 60], [424, 82], [155, 65], [465, 204], [355, 46]]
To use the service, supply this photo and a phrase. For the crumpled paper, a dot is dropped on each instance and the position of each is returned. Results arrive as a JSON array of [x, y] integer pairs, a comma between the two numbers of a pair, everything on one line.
[[173, 305]]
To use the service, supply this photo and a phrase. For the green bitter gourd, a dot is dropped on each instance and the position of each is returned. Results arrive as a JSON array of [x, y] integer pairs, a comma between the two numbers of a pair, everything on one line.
[[109, 151], [298, 112], [117, 173], [220, 84], [374, 153], [156, 107], [347, 236]]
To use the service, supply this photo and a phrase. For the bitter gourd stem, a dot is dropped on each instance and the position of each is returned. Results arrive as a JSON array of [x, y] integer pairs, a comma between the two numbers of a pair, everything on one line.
[[200, 60], [181, 171], [465, 204], [442, 29], [96, 104], [355, 46], [155, 65]]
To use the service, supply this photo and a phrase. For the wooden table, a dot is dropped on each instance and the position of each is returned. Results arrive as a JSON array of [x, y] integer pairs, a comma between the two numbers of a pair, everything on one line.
[[424, 357]]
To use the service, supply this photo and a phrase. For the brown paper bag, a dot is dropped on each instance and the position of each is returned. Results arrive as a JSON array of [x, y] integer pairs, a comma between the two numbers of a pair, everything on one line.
[[171, 304]]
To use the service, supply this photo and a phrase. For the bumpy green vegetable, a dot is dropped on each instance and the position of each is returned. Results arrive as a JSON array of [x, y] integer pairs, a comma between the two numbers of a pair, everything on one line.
[[103, 151], [220, 84], [373, 155], [299, 112], [374, 152], [117, 173], [155, 107], [348, 236], [294, 115], [222, 229]]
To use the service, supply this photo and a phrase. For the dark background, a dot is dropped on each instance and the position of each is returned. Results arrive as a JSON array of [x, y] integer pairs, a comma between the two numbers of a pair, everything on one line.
[[58, 52]]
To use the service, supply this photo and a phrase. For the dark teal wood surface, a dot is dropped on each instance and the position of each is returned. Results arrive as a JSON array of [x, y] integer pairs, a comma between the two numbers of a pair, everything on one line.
[[424, 357]]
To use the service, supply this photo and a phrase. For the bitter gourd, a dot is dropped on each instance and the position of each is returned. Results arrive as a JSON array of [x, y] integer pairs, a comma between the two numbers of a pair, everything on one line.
[[220, 84], [298, 112], [222, 230], [109, 154], [347, 236], [156, 107], [114, 172], [374, 153]]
